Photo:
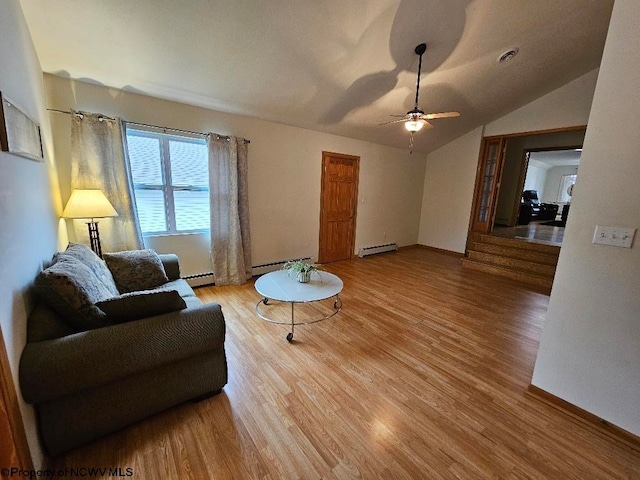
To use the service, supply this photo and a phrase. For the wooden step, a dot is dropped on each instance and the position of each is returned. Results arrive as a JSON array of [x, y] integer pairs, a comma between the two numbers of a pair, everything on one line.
[[513, 263], [543, 281], [516, 252], [518, 243]]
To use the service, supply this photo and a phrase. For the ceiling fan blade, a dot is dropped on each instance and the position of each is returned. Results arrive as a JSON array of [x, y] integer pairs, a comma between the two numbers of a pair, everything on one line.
[[399, 116], [431, 116], [427, 125], [403, 119]]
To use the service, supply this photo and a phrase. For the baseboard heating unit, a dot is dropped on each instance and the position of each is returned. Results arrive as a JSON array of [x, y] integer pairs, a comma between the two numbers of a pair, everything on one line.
[[199, 279], [273, 266], [376, 249]]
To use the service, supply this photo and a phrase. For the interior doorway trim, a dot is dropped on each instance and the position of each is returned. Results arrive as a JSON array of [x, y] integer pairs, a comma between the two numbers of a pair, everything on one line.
[[536, 132], [479, 171]]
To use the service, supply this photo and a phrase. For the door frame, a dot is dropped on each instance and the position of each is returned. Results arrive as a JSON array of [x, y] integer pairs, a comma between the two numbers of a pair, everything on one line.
[[478, 181], [326, 154], [477, 194], [14, 448], [524, 167]]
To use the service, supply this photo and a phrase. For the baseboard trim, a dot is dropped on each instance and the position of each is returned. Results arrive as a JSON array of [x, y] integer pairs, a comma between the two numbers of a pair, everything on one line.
[[603, 426], [439, 250]]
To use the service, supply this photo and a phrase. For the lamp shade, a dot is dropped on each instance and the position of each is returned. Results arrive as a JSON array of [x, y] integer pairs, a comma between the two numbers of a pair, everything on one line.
[[414, 125], [88, 204]]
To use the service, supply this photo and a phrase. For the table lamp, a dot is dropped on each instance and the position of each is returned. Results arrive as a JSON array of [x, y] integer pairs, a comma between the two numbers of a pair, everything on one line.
[[90, 204]]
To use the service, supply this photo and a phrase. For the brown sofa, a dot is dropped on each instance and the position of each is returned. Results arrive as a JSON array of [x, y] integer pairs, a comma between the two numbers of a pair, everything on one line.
[[85, 384]]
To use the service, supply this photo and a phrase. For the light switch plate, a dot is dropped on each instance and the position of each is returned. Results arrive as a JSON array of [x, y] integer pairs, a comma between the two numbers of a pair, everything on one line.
[[614, 236]]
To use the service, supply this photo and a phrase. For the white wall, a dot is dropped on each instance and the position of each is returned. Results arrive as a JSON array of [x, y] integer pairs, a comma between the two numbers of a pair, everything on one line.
[[590, 349], [284, 171], [552, 183], [448, 193], [29, 200], [566, 106], [536, 177], [446, 209]]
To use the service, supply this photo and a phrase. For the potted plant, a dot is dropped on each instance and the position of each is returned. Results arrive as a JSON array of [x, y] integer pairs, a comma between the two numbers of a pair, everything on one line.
[[301, 270]]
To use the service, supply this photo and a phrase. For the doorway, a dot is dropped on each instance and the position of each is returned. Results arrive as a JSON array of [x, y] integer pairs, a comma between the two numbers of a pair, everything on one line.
[[338, 204], [497, 200]]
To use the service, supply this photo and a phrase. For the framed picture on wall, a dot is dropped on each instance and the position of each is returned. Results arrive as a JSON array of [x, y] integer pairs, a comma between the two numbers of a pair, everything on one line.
[[19, 133]]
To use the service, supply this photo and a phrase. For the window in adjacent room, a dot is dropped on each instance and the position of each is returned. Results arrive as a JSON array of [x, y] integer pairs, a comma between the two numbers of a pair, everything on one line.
[[171, 181], [565, 182]]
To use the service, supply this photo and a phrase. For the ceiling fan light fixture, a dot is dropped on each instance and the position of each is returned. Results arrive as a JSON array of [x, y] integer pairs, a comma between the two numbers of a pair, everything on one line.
[[414, 125], [415, 120]]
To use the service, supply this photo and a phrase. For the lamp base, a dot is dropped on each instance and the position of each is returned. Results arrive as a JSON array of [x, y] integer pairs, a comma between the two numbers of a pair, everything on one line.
[[94, 238]]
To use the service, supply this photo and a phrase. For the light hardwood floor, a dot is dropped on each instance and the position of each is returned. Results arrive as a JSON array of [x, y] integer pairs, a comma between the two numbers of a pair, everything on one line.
[[421, 376]]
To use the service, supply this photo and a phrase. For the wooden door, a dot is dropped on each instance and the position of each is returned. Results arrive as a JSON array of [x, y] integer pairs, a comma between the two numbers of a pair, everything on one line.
[[338, 202], [488, 184]]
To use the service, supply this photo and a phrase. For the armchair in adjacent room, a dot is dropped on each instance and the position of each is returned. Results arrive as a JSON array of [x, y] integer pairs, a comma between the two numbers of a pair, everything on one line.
[[532, 209]]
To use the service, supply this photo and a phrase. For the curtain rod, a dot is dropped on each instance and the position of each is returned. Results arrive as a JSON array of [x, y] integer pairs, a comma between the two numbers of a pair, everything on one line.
[[80, 114], [184, 131]]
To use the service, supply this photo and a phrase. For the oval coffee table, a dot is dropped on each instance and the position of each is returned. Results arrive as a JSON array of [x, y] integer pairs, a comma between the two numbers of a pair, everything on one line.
[[280, 287]]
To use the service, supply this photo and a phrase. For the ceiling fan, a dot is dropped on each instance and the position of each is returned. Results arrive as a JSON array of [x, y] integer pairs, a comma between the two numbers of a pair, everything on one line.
[[415, 119]]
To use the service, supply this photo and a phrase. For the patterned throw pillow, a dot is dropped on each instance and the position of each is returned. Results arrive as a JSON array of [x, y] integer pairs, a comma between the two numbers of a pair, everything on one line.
[[136, 305], [94, 262], [136, 270], [71, 289]]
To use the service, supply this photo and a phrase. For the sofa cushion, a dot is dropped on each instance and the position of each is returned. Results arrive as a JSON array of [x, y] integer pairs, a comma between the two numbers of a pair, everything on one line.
[[94, 262], [71, 289], [181, 286], [135, 270], [192, 301], [136, 305]]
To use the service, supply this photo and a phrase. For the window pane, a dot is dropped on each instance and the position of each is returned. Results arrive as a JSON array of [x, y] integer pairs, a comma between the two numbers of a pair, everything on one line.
[[144, 154], [565, 183], [151, 210], [189, 165], [192, 209]]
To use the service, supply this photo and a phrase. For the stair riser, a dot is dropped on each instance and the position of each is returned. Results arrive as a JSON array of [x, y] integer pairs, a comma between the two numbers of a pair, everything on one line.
[[507, 262], [528, 255], [542, 282], [519, 244]]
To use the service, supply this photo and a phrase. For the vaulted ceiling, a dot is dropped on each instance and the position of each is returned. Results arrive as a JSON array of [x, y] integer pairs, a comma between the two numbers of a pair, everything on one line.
[[337, 66]]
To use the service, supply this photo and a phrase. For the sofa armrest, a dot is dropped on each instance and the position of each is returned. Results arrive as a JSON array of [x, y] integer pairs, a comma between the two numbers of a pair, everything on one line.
[[61, 366], [171, 265]]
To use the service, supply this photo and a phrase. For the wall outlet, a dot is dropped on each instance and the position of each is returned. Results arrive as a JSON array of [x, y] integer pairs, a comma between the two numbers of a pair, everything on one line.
[[614, 236]]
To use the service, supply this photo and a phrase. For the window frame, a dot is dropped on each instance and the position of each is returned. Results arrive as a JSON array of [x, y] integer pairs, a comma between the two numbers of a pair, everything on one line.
[[563, 196], [167, 187]]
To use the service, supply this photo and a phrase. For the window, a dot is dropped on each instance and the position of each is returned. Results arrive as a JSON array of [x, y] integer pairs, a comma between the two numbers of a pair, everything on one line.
[[171, 181], [565, 182]]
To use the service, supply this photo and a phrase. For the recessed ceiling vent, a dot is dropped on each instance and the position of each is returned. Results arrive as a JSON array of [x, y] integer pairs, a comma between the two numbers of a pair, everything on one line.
[[508, 55]]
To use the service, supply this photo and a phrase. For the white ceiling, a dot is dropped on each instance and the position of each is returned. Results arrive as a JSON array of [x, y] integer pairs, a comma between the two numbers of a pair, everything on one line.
[[557, 158], [337, 66]]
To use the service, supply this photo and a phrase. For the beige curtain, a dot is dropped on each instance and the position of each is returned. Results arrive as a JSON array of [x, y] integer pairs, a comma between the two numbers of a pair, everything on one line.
[[230, 238], [99, 160]]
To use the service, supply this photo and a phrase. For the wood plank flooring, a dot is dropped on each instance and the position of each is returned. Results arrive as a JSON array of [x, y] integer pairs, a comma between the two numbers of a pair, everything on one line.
[[416, 378]]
